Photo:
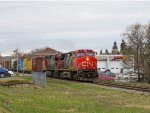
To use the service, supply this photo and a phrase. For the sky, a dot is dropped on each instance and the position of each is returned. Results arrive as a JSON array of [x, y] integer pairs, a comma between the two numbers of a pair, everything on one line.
[[67, 25]]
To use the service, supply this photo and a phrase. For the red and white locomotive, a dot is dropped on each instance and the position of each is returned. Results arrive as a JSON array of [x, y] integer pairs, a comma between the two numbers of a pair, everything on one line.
[[79, 64]]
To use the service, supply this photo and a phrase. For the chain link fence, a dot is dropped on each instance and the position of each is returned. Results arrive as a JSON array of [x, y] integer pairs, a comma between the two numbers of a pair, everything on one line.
[[39, 78]]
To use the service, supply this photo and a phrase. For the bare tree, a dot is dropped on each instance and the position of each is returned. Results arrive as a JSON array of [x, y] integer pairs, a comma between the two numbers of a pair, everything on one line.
[[135, 35], [147, 53]]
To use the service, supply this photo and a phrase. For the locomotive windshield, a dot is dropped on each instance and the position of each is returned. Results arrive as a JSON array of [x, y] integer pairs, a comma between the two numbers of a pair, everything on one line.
[[81, 54], [90, 54]]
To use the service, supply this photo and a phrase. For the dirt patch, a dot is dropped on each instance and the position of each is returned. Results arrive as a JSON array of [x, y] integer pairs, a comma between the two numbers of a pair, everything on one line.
[[15, 82], [139, 106], [67, 111]]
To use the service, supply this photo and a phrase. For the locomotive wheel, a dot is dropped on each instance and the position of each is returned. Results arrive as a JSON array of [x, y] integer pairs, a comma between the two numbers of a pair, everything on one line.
[[58, 74], [76, 76]]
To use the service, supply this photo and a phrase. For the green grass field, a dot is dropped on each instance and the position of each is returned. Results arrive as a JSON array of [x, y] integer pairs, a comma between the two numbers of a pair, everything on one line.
[[70, 97]]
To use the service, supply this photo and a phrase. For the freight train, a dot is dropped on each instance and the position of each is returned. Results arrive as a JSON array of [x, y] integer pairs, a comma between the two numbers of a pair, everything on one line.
[[79, 64]]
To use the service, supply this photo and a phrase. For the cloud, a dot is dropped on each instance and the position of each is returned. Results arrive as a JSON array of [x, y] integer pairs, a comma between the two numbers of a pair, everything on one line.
[[67, 25]]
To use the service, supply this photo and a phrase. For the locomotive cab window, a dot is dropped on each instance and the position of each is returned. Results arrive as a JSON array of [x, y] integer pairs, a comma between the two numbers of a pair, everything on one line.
[[82, 54]]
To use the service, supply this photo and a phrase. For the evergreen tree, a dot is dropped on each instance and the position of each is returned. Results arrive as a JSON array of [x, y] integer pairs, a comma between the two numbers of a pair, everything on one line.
[[123, 47], [106, 52], [115, 45], [101, 52], [115, 48]]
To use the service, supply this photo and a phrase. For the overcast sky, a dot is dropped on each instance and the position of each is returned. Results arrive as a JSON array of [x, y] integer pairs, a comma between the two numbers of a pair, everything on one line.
[[67, 26]]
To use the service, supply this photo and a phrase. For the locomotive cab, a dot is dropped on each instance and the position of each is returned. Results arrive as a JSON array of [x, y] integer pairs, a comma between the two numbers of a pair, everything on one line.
[[85, 63], [85, 60]]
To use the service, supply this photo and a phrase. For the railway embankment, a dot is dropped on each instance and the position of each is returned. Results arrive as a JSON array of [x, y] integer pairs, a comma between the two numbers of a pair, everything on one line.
[[61, 96]]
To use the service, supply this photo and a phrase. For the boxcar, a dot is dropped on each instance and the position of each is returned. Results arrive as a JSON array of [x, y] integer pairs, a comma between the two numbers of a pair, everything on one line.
[[38, 64], [21, 65], [9, 64], [28, 65]]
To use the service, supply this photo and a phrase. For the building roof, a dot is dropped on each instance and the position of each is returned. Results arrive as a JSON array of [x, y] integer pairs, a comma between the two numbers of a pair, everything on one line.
[[36, 52], [6, 58], [45, 51]]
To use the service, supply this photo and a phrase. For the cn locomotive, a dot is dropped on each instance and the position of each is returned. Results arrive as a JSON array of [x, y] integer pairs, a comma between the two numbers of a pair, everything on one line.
[[79, 65]]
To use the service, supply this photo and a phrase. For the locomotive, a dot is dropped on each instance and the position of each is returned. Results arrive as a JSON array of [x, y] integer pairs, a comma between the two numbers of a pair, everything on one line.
[[79, 65]]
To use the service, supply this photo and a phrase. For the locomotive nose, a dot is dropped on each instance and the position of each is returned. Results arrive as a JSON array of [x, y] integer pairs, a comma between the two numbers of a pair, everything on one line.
[[88, 63]]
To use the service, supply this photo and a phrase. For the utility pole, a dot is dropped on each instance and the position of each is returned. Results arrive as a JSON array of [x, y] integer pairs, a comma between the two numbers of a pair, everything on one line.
[[17, 59], [16, 51]]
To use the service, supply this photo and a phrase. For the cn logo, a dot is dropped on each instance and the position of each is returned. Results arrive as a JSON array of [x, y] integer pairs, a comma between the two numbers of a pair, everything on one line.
[[88, 64]]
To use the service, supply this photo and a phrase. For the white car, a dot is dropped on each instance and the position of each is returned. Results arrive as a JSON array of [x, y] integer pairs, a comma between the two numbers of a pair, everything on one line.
[[11, 73], [122, 76]]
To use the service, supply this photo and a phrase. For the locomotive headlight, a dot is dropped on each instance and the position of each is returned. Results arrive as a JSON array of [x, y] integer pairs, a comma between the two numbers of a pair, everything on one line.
[[87, 59]]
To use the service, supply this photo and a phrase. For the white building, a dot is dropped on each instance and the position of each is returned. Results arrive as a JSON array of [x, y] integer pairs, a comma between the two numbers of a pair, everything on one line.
[[114, 63]]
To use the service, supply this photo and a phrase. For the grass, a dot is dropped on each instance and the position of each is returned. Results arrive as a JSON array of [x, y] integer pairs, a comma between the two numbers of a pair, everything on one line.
[[14, 80], [69, 97]]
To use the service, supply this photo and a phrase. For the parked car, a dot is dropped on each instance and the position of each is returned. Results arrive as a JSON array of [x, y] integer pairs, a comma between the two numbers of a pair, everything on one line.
[[109, 73], [106, 76], [4, 72], [11, 73], [132, 75]]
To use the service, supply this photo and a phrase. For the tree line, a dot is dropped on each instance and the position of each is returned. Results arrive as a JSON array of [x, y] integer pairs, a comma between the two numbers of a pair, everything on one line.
[[136, 42]]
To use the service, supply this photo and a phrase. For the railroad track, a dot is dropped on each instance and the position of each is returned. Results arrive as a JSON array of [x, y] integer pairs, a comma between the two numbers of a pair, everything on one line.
[[129, 87], [113, 85]]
